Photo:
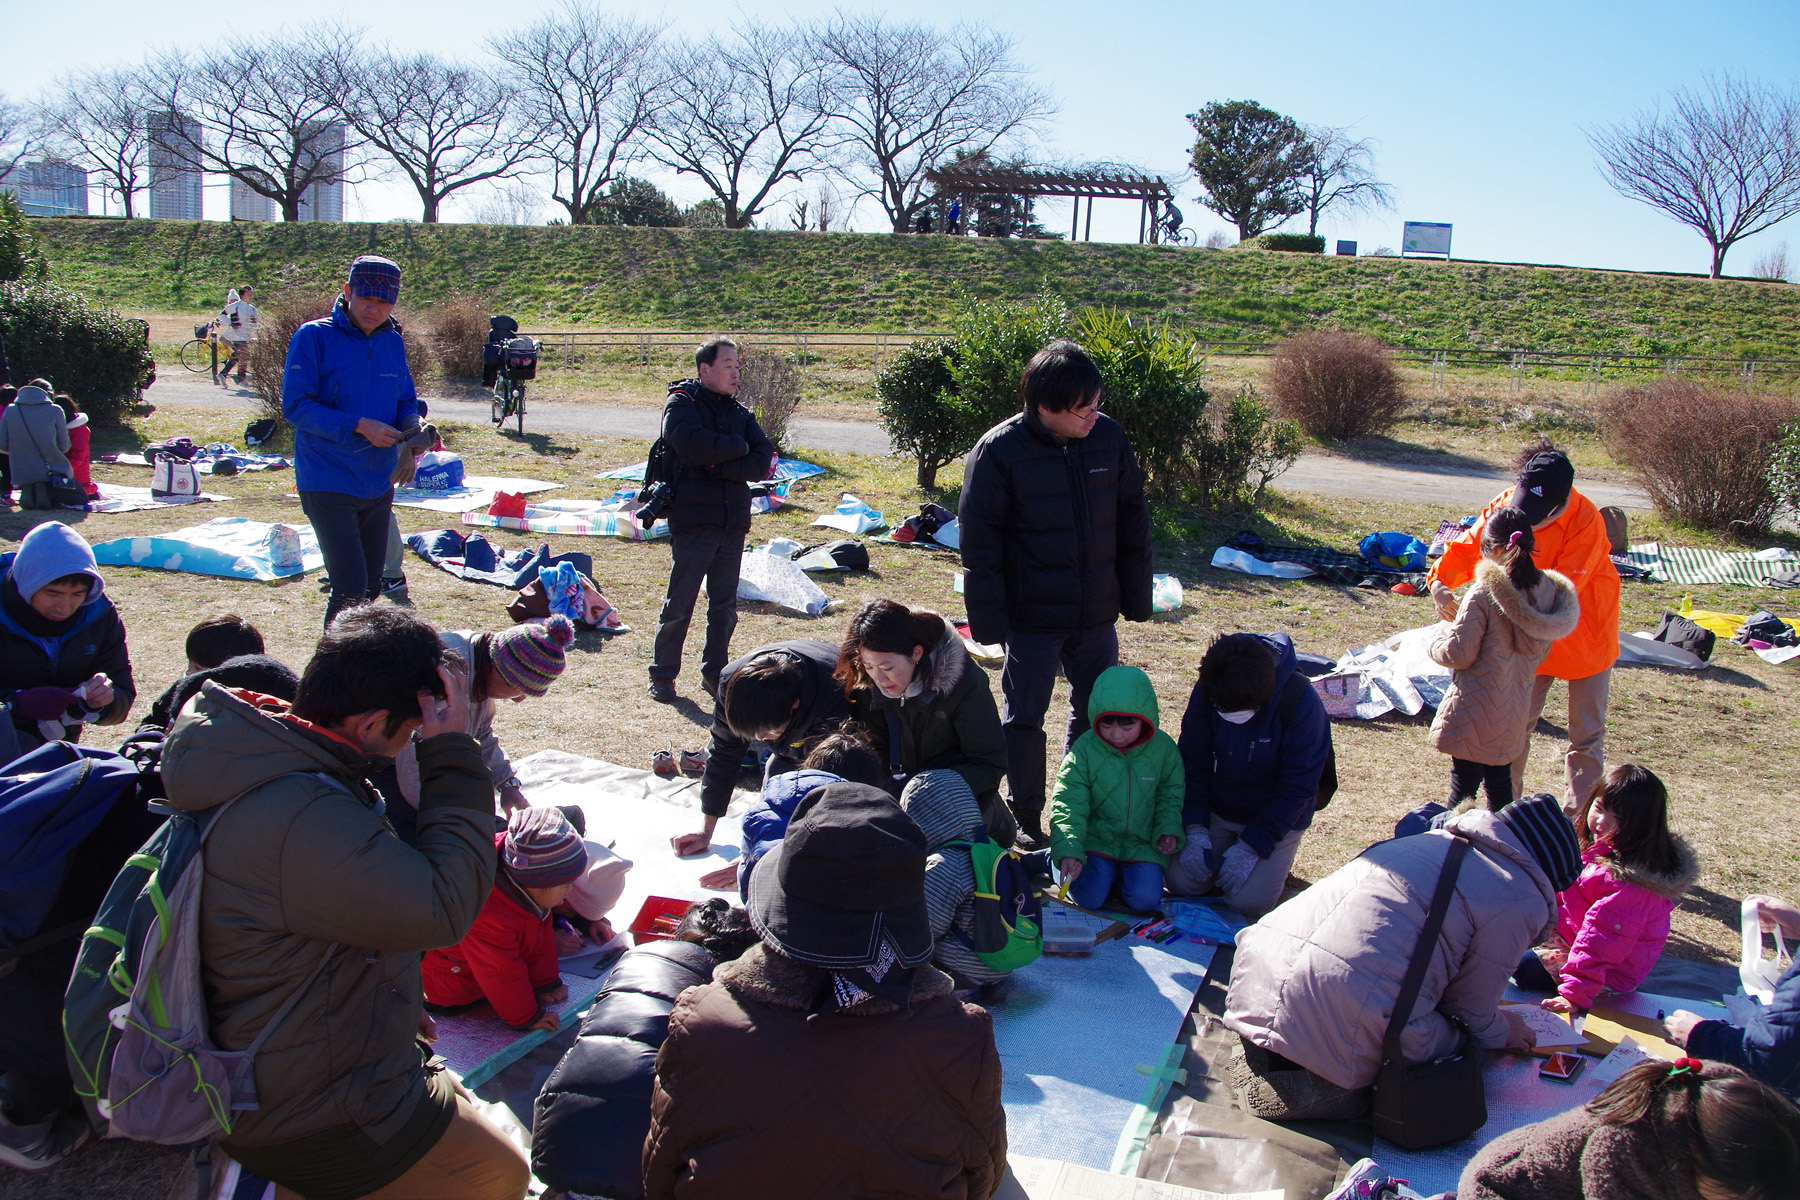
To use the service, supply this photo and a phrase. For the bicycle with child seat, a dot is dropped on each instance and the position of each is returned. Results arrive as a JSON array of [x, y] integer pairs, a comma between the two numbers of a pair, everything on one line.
[[518, 363]]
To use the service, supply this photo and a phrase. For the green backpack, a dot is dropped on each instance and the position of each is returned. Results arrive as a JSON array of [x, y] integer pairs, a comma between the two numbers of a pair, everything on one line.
[[1009, 918]]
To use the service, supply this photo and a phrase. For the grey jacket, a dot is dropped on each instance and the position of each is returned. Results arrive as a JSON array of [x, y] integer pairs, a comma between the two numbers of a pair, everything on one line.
[[1316, 980], [303, 861], [35, 437]]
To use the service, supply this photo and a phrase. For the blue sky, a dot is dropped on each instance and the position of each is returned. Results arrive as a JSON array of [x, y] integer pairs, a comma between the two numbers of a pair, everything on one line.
[[1477, 110]]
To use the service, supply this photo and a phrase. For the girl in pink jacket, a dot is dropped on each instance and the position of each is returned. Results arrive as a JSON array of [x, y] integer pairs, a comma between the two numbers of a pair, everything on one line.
[[1611, 925]]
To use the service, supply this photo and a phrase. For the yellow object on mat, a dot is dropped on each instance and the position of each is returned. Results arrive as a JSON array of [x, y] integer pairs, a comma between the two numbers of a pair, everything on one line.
[[1605, 1027], [1723, 624]]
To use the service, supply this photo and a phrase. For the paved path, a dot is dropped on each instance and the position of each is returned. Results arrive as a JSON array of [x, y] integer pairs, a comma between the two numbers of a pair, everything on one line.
[[1319, 474]]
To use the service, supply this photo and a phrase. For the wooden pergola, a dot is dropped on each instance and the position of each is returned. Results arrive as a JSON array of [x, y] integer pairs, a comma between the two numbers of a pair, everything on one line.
[[1090, 184]]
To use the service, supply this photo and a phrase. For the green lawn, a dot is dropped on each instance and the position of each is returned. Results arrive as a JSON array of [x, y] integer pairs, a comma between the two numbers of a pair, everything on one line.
[[788, 280]]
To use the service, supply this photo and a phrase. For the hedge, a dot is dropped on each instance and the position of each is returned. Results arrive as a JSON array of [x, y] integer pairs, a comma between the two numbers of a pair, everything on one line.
[[82, 347]]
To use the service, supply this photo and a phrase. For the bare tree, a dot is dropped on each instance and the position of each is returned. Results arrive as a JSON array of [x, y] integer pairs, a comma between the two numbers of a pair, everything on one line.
[[445, 125], [1724, 159], [97, 118], [266, 112], [1340, 173], [21, 133], [509, 202], [588, 84], [751, 112], [909, 95], [1773, 264]]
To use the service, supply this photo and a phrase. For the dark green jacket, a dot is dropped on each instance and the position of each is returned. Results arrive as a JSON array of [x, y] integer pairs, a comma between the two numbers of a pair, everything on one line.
[[1118, 802], [952, 723]]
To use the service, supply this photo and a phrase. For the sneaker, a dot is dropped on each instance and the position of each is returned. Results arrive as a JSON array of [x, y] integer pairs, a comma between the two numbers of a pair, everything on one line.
[[693, 763], [34, 1147], [662, 762], [1031, 836], [662, 690]]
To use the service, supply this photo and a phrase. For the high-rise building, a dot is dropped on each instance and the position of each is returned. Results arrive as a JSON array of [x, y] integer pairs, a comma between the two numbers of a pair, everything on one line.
[[247, 204], [324, 201], [48, 189], [175, 190]]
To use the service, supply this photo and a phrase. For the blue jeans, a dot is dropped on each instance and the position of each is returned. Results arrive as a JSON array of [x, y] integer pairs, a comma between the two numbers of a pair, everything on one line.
[[1026, 682], [1140, 883], [353, 538]]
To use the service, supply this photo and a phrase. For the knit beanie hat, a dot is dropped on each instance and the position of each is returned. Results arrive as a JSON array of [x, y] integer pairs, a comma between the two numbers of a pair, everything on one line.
[[542, 849], [1541, 824], [530, 657]]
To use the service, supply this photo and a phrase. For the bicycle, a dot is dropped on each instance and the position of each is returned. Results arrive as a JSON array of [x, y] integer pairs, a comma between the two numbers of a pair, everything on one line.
[[200, 352], [518, 363]]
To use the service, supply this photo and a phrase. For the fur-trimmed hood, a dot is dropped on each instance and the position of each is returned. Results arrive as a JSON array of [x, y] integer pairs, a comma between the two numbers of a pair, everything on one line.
[[763, 975], [1669, 885], [1550, 626], [947, 660]]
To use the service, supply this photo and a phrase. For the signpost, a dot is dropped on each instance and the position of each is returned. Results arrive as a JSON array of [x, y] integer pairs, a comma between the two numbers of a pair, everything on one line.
[[1346, 248], [1425, 237]]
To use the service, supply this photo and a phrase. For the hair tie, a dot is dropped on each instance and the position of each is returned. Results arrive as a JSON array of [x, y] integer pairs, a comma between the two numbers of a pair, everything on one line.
[[1685, 1065], [1514, 539]]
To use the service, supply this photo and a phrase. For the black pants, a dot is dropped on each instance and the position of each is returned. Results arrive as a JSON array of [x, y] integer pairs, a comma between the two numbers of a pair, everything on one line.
[[716, 556], [353, 537], [1467, 778], [34, 1075], [239, 358]]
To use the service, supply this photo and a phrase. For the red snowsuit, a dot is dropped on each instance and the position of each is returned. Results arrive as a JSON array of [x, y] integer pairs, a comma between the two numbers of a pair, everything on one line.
[[508, 957]]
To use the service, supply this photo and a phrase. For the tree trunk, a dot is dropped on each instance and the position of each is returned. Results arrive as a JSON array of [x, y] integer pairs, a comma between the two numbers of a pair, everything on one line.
[[1718, 258], [290, 207], [128, 210], [927, 473], [431, 211]]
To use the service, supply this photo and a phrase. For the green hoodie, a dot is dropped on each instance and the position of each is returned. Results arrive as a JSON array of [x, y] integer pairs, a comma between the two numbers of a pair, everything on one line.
[[1118, 802]]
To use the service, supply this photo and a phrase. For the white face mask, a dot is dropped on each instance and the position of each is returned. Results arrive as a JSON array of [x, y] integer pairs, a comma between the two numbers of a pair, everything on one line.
[[1238, 718]]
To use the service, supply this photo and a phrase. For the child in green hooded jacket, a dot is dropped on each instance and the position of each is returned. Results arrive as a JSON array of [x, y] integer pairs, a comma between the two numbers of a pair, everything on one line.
[[1115, 815]]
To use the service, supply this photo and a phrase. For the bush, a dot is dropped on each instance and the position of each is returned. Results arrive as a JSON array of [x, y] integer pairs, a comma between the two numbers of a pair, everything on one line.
[[456, 330], [769, 386], [1704, 454], [1784, 470], [1246, 448], [84, 348], [1336, 385], [918, 407], [1154, 388], [292, 303], [20, 256], [1292, 243]]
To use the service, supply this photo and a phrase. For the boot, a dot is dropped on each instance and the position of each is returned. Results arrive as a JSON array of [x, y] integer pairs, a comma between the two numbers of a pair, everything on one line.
[[1031, 834]]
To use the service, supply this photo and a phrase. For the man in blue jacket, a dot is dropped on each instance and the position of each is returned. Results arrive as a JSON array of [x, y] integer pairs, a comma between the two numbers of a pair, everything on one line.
[[347, 393], [1254, 743]]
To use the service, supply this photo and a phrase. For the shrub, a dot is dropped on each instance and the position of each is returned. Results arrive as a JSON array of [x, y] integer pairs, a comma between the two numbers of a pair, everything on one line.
[[455, 331], [83, 347], [769, 386], [1703, 453], [292, 303], [918, 407], [1292, 243], [20, 255], [1336, 385], [1246, 448], [1784, 470], [1154, 388]]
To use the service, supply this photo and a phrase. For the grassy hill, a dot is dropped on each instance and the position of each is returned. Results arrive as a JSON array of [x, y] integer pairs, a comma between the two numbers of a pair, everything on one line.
[[776, 279]]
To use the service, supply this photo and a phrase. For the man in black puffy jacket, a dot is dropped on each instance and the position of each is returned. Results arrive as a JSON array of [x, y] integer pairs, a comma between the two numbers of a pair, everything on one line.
[[1055, 548], [722, 451]]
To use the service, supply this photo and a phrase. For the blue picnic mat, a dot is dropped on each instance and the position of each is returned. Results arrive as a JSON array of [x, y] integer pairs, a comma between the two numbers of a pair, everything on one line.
[[785, 468], [229, 546]]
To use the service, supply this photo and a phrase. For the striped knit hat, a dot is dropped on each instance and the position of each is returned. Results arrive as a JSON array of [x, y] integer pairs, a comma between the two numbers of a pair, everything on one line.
[[530, 657], [542, 849], [1540, 823]]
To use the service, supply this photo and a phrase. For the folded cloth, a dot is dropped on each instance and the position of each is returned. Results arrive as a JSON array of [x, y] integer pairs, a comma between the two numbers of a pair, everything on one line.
[[475, 559]]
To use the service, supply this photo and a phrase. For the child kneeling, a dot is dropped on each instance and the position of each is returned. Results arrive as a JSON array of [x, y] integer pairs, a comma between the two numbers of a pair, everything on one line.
[[509, 955], [1115, 815]]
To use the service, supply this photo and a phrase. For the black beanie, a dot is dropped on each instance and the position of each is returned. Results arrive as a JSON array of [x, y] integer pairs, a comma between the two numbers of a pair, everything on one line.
[[1541, 824]]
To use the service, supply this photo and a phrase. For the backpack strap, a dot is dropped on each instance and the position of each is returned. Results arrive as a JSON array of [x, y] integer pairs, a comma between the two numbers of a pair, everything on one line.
[[896, 767], [1421, 957]]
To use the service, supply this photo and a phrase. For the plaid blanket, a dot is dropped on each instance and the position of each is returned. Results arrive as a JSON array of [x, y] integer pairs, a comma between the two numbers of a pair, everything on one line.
[[1334, 566], [1691, 565]]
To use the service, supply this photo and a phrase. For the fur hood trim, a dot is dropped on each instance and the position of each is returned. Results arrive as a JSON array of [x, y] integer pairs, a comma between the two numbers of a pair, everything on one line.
[[1551, 626], [1670, 885], [761, 974], [949, 659]]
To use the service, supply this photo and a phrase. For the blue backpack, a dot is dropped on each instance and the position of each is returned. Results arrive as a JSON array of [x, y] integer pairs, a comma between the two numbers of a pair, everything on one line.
[[50, 799], [1394, 552]]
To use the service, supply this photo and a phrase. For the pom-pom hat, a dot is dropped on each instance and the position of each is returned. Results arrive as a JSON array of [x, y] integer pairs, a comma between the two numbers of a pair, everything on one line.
[[530, 657]]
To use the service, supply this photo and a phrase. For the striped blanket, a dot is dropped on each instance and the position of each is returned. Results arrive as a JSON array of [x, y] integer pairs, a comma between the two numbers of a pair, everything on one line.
[[1691, 565], [585, 518]]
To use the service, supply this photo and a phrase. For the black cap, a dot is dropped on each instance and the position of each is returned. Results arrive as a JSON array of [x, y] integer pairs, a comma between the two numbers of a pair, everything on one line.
[[1544, 485], [849, 876]]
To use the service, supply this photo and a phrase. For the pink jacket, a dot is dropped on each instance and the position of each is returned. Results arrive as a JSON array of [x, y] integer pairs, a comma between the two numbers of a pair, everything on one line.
[[1615, 921]]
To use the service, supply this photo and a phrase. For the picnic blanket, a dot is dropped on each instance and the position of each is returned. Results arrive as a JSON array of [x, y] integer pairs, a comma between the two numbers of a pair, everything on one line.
[[785, 468], [582, 518], [1300, 562], [477, 560], [229, 546], [209, 458], [478, 491], [1692, 565], [117, 497], [1393, 674]]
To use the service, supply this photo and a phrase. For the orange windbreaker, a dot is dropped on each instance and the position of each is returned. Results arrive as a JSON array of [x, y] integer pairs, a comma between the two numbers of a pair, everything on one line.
[[1576, 545]]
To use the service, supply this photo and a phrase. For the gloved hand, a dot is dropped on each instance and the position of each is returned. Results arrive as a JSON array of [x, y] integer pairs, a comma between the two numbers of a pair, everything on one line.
[[43, 703], [1194, 852], [1235, 867]]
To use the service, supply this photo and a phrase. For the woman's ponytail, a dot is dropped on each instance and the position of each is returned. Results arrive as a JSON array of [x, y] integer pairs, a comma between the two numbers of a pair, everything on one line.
[[1508, 540]]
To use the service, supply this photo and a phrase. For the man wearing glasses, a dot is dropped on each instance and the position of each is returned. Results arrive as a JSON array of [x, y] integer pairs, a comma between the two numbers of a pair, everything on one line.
[[1055, 548]]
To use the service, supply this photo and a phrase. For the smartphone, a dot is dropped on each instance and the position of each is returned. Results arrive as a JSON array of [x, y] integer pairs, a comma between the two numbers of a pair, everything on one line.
[[1562, 1066]]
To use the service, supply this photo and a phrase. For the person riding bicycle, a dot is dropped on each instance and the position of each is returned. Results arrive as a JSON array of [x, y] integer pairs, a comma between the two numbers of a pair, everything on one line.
[[500, 331]]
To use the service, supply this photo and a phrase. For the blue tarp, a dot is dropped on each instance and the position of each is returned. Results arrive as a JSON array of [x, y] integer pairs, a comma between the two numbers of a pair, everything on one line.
[[785, 468], [229, 546]]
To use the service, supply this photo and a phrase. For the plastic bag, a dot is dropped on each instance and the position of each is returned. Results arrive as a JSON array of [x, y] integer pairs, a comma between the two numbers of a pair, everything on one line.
[[778, 580], [1165, 593], [852, 516], [1758, 973]]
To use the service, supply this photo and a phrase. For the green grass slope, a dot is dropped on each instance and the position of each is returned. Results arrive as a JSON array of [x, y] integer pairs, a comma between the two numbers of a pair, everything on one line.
[[778, 279]]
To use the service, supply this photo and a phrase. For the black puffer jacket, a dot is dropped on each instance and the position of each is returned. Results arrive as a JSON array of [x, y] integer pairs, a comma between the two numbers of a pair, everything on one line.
[[36, 652], [722, 450], [588, 1128], [1055, 531], [823, 708]]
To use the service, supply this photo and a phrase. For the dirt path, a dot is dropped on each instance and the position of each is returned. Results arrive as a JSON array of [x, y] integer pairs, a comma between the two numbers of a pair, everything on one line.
[[1319, 474]]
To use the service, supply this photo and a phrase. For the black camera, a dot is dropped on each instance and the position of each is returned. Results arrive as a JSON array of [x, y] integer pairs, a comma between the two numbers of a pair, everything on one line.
[[654, 502]]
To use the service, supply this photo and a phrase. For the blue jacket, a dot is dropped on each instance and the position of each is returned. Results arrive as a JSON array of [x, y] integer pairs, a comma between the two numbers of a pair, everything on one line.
[[765, 821], [335, 376], [1768, 1048], [1263, 774]]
